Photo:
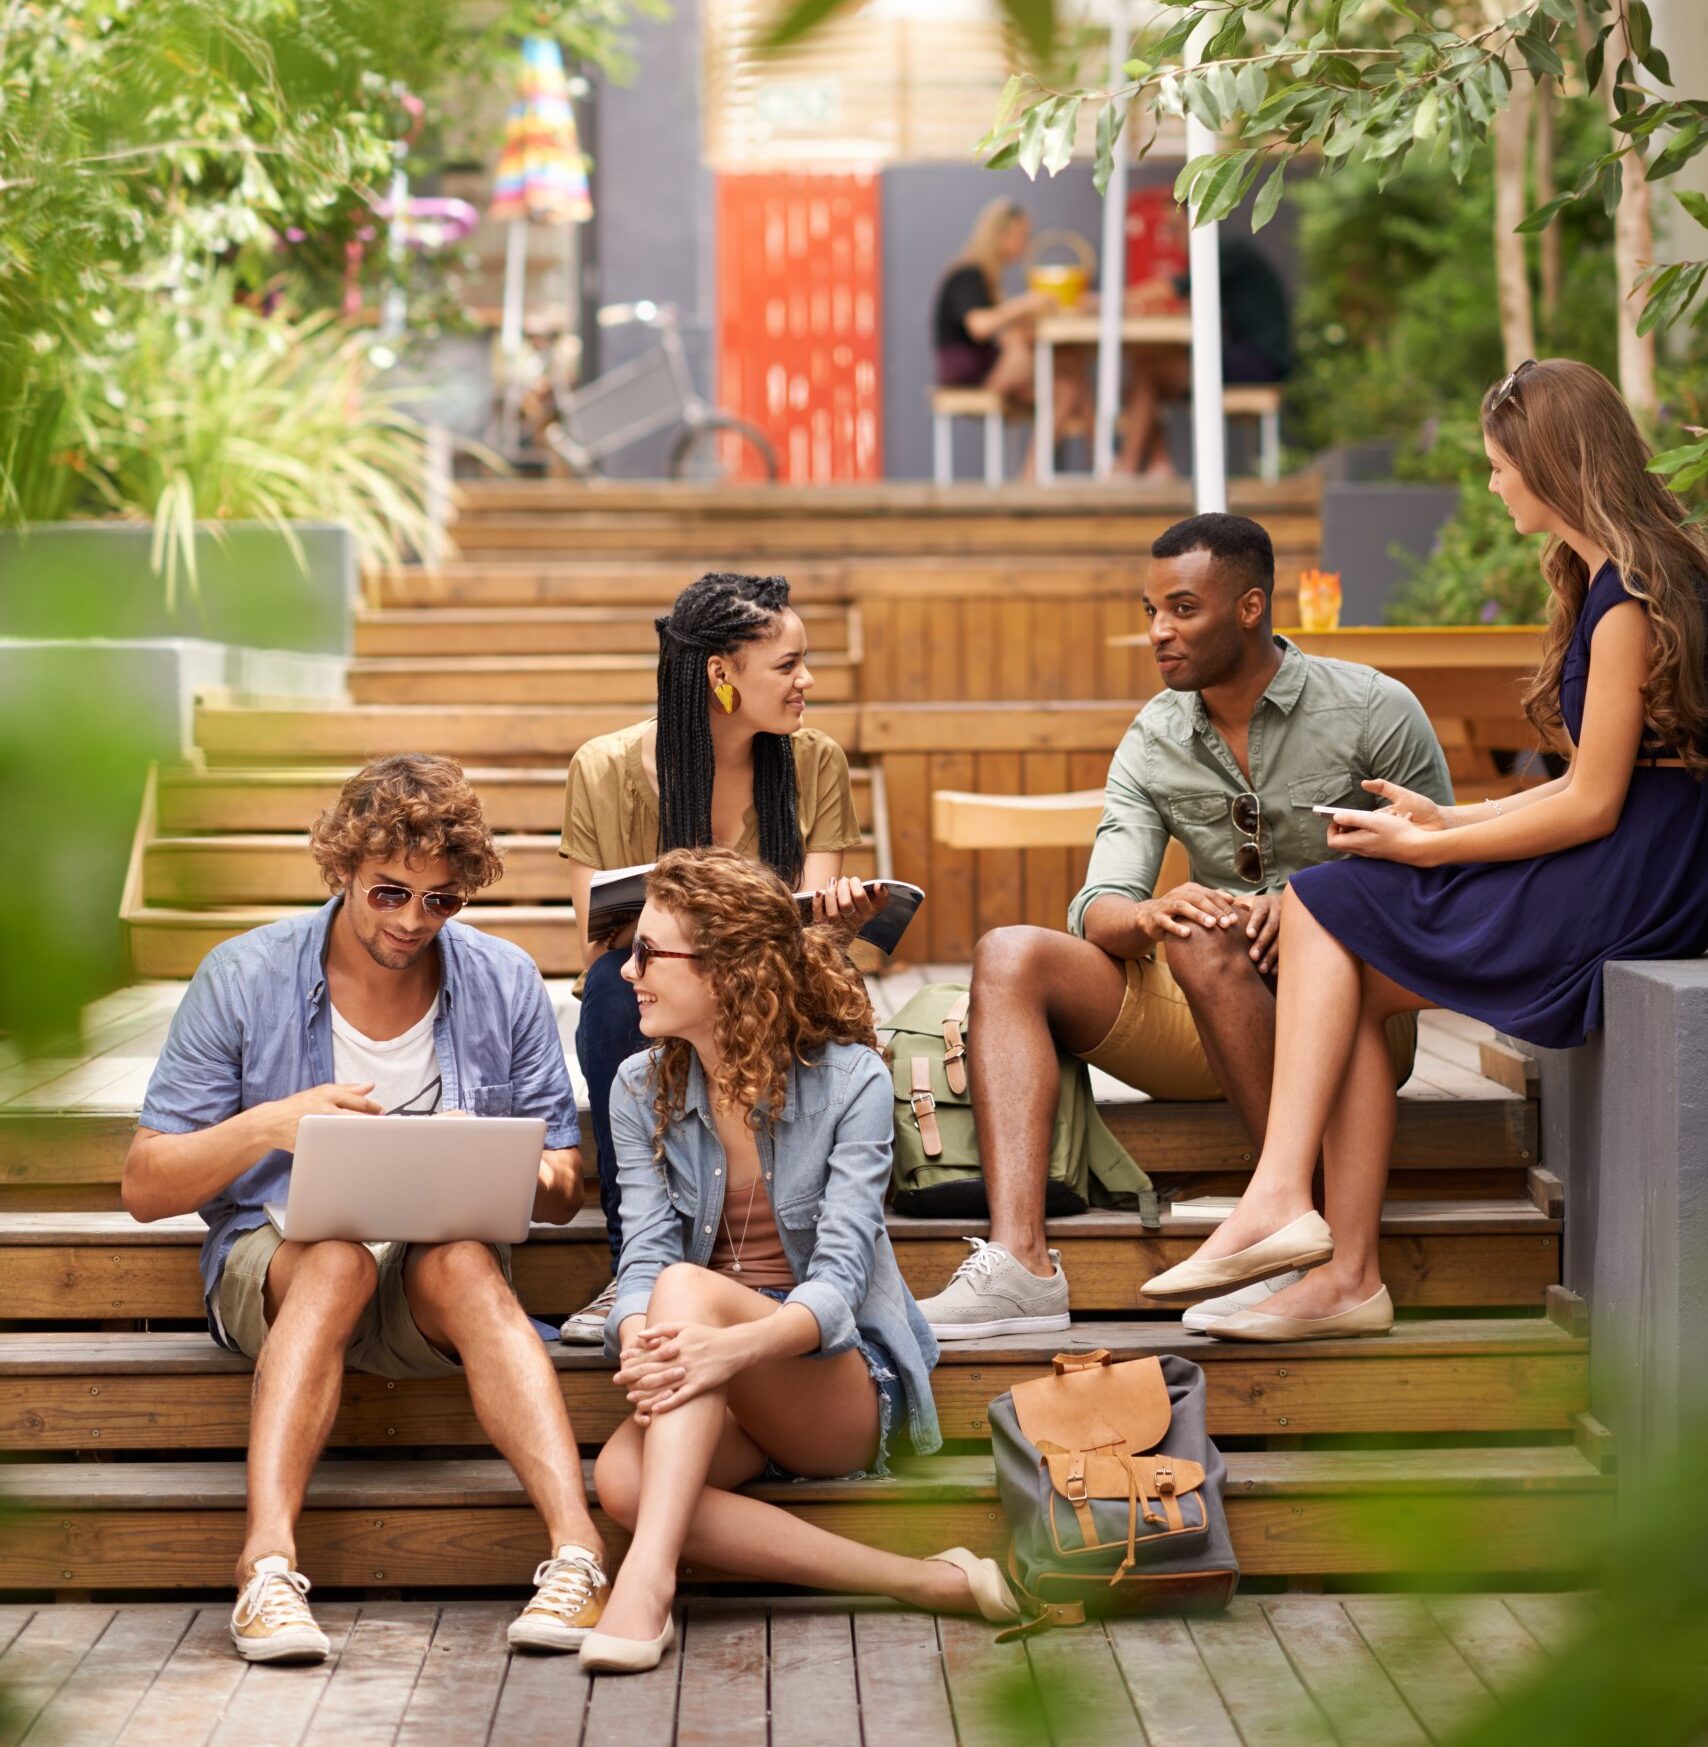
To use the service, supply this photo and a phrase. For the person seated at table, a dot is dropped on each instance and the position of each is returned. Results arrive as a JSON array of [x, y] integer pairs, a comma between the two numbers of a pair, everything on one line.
[[727, 759], [376, 1003], [762, 1326], [1507, 910], [1257, 344], [1174, 992], [983, 339]]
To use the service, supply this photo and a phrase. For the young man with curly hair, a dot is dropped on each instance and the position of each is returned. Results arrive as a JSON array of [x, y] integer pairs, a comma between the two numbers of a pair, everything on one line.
[[375, 1003]]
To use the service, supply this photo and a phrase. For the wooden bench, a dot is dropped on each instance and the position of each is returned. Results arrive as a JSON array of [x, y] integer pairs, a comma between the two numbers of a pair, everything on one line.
[[949, 404]]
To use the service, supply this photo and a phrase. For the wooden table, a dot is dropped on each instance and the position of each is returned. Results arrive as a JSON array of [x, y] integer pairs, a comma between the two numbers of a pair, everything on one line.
[[1084, 328]]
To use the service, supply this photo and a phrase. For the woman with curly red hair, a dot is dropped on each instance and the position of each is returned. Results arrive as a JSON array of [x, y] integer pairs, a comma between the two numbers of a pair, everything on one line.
[[762, 1325]]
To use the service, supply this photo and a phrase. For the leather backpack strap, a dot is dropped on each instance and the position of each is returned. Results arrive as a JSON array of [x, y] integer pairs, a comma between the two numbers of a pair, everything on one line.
[[954, 1047], [925, 1108]]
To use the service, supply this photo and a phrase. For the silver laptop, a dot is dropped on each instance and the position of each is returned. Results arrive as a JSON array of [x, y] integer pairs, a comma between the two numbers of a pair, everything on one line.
[[412, 1179]]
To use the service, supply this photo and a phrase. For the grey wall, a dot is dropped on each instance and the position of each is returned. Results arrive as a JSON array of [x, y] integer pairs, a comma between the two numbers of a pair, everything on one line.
[[652, 201], [927, 210], [1626, 1129]]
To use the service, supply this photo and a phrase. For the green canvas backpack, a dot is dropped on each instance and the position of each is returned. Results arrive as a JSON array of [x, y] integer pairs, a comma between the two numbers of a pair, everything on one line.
[[937, 1172]]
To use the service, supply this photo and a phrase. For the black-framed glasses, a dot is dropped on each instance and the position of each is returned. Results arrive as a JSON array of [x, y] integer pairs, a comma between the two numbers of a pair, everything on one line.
[[644, 952], [1247, 813], [386, 895], [1508, 386]]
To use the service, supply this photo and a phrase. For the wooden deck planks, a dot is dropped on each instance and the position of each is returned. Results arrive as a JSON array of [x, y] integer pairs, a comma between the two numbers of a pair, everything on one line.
[[1441, 1688], [461, 1676], [990, 1685], [41, 1658], [96, 1700], [1340, 1672], [815, 1685], [722, 1688], [903, 1694], [1260, 1690], [1081, 1689], [185, 1702], [624, 1710], [369, 1692], [276, 1704], [1172, 1689]]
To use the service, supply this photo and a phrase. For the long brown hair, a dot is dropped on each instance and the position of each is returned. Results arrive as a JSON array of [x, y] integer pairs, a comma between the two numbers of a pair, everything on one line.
[[982, 249], [1573, 442], [781, 990]]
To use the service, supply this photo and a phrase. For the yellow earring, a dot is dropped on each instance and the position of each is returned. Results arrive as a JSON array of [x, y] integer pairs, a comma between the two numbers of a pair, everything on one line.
[[729, 699]]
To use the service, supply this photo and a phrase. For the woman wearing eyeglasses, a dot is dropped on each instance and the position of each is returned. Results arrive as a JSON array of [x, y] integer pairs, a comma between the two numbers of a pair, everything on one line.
[[727, 759], [762, 1325], [1505, 910]]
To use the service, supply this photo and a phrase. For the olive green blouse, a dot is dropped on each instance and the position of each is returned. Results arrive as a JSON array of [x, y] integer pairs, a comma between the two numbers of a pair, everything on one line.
[[610, 809]]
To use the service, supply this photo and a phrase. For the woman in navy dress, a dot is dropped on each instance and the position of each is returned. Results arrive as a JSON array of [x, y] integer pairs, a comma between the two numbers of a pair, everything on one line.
[[1508, 910]]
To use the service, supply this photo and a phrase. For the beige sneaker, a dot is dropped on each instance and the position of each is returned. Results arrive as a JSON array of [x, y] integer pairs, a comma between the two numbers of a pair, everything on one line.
[[271, 1622], [570, 1593], [587, 1326]]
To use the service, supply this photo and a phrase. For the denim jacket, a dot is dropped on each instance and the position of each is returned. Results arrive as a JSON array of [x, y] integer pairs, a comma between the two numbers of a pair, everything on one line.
[[826, 1162], [255, 1024]]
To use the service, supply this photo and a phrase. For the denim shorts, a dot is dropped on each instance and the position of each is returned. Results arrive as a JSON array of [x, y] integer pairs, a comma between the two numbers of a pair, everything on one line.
[[892, 1404]]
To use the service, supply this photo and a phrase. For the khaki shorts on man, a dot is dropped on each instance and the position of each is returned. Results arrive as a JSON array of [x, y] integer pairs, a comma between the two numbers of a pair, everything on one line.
[[386, 1341], [1154, 1046]]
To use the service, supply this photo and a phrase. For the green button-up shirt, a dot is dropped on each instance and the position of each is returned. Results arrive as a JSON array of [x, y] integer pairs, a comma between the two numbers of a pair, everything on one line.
[[1317, 732]]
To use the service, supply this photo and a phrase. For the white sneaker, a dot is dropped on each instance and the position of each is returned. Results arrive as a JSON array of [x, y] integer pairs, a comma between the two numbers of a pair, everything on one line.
[[570, 1592], [1200, 1316], [587, 1326], [993, 1294], [271, 1622]]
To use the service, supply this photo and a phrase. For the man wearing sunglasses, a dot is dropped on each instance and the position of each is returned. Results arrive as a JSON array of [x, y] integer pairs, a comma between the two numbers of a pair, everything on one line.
[[1174, 993], [375, 1003]]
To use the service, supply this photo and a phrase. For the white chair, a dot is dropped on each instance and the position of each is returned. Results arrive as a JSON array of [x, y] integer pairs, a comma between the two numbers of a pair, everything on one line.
[[1261, 401], [949, 404]]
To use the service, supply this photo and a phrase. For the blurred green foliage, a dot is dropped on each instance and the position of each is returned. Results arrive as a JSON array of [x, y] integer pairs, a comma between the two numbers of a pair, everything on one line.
[[153, 149]]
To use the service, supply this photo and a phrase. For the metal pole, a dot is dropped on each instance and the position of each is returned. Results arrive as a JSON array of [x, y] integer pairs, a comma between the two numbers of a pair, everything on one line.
[[1113, 278], [1209, 457]]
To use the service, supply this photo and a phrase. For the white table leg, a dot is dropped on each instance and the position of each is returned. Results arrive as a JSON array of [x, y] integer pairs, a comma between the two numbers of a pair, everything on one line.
[[1044, 410]]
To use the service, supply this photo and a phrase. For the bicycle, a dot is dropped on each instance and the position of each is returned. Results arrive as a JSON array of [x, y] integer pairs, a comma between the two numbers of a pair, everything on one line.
[[654, 392]]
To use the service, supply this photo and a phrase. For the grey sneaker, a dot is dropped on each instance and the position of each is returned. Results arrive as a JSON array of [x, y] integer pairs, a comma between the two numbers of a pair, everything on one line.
[[587, 1326], [992, 1294], [1251, 1297]]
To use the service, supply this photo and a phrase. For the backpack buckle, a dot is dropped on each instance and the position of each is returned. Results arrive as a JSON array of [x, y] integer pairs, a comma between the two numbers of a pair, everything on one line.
[[923, 1103]]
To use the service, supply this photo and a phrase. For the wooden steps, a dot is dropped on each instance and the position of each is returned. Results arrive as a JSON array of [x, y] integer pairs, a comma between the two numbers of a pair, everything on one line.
[[276, 868], [592, 681], [107, 1391], [454, 1523], [415, 632], [1436, 1254]]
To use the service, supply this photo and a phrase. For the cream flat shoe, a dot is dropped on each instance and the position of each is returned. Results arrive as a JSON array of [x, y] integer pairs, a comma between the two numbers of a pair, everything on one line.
[[601, 1653], [1375, 1316], [984, 1578], [1301, 1243]]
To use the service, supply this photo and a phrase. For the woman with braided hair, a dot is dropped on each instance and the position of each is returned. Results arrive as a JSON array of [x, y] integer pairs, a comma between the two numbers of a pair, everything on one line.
[[727, 760]]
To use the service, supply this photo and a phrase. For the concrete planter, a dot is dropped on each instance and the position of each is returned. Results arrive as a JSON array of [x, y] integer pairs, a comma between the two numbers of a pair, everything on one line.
[[74, 580]]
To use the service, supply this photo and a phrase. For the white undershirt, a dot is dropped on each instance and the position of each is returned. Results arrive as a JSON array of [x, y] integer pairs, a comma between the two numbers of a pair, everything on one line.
[[404, 1069]]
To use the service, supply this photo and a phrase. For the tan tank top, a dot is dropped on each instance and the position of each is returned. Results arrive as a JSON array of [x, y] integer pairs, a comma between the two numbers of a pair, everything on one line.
[[753, 1242]]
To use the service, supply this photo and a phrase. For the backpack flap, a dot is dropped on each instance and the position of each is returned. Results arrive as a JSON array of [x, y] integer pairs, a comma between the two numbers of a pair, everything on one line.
[[1091, 1404]]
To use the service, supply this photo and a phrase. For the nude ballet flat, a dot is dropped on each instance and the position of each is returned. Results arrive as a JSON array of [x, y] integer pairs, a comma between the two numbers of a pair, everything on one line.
[[601, 1653], [1301, 1243], [984, 1578], [1375, 1316]]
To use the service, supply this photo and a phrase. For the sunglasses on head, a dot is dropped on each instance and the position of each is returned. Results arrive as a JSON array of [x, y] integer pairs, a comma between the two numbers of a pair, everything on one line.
[[644, 952], [387, 896], [1247, 813], [1508, 386]]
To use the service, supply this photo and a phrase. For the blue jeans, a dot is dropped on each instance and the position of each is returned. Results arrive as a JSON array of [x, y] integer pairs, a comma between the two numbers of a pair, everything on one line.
[[606, 1035]]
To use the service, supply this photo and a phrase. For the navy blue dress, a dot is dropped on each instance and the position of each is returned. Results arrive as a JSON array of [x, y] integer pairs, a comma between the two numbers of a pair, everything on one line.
[[1520, 944]]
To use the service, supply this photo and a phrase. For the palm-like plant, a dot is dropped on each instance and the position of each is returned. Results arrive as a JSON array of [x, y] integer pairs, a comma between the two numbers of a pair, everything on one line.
[[213, 413]]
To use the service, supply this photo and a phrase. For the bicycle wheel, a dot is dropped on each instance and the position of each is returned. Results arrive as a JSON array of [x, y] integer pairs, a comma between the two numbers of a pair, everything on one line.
[[722, 447]]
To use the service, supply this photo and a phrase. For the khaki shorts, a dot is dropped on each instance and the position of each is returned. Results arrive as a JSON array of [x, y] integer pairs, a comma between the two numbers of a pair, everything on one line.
[[1154, 1045], [386, 1341]]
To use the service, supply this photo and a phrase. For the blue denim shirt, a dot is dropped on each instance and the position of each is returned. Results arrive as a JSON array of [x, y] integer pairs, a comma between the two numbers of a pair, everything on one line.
[[827, 1165], [255, 1024]]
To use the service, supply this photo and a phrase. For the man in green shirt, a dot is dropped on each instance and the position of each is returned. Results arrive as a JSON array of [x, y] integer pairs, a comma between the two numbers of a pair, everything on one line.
[[1175, 993]]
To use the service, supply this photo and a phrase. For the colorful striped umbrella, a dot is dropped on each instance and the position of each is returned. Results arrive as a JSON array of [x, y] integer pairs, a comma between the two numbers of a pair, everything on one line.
[[541, 173]]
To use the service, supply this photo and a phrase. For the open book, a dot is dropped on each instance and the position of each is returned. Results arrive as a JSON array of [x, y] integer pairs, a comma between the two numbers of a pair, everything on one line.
[[616, 895]]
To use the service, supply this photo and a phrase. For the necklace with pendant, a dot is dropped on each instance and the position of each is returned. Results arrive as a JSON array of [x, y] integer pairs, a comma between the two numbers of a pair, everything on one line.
[[736, 1248]]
